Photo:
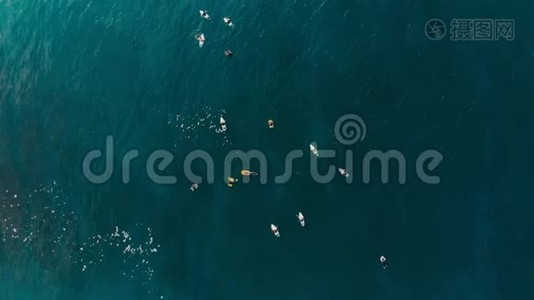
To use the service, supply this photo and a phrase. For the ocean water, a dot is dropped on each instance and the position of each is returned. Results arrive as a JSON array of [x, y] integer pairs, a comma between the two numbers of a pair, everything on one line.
[[74, 72]]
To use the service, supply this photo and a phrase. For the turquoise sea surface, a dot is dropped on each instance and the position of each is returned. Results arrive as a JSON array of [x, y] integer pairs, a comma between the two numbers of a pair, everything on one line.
[[73, 72]]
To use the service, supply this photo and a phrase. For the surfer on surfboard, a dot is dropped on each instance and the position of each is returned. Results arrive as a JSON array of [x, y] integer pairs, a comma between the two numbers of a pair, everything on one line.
[[228, 22], [300, 216], [314, 150], [201, 39], [248, 173], [204, 14], [231, 181], [384, 262], [343, 172], [275, 231], [223, 124]]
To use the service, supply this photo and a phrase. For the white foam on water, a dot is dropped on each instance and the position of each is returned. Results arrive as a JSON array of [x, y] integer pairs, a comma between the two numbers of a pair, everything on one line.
[[197, 125], [136, 251], [41, 219]]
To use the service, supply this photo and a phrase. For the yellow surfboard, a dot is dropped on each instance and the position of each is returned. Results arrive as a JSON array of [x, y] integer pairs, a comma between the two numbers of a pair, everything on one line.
[[248, 173]]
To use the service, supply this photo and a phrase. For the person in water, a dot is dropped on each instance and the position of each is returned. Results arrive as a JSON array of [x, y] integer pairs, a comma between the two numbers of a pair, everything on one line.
[[194, 187], [271, 124], [231, 181], [384, 262], [228, 53], [223, 126]]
